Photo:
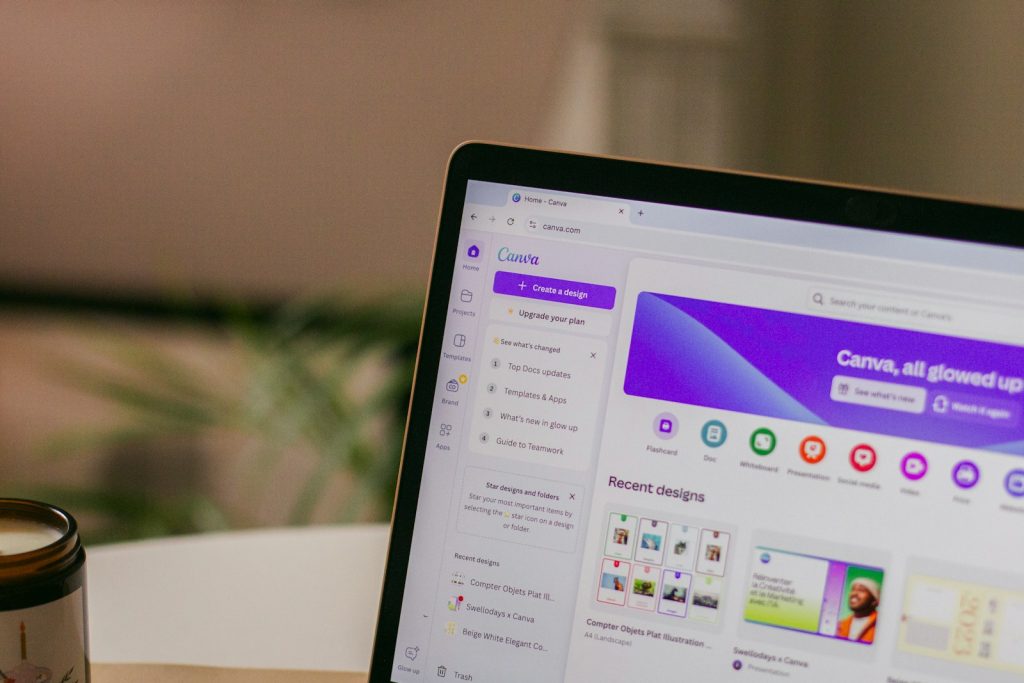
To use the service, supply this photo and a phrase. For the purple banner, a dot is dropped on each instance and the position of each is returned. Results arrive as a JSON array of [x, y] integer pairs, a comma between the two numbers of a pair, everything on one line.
[[831, 372], [553, 289]]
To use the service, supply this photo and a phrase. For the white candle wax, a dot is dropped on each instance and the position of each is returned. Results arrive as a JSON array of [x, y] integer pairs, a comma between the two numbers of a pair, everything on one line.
[[22, 536]]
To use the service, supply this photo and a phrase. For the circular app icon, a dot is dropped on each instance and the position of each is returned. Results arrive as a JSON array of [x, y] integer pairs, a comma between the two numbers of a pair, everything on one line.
[[863, 458], [713, 433], [762, 441], [666, 425], [966, 474], [914, 466], [1014, 483], [812, 450]]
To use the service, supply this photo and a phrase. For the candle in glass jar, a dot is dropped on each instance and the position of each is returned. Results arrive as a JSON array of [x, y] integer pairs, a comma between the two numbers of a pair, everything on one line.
[[42, 595], [22, 536]]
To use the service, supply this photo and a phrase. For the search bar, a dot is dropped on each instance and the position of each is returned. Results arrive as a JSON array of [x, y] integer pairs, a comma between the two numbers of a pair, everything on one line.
[[894, 308]]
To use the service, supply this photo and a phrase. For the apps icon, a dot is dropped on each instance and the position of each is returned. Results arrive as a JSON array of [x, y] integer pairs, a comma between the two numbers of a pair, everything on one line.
[[966, 474], [762, 441], [713, 433], [1014, 483], [914, 466], [666, 425], [812, 450], [863, 458]]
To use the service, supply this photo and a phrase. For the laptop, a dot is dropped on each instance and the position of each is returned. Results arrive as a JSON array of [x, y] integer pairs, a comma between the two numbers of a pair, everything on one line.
[[677, 424]]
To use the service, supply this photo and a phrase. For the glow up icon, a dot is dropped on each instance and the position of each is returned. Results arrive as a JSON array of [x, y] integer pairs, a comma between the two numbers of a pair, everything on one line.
[[516, 197]]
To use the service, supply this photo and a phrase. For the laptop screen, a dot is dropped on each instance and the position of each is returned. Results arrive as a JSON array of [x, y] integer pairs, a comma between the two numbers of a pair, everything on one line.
[[672, 443]]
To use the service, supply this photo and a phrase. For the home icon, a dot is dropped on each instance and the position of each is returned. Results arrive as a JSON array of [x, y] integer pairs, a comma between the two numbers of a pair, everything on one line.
[[473, 251]]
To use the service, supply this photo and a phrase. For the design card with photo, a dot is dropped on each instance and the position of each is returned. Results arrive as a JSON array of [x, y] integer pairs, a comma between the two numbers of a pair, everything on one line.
[[681, 547], [706, 598], [815, 595], [643, 587], [650, 547], [713, 552], [675, 593], [614, 582], [621, 536]]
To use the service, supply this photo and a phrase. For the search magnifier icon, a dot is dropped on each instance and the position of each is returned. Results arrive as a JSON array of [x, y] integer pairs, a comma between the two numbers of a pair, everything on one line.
[[818, 298]]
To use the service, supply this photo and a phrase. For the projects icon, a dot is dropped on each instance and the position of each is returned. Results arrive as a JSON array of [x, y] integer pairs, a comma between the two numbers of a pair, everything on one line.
[[762, 441], [914, 466], [863, 458], [812, 450], [713, 433], [966, 474]]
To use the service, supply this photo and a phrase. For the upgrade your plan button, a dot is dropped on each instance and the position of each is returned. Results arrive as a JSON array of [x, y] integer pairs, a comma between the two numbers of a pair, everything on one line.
[[554, 289]]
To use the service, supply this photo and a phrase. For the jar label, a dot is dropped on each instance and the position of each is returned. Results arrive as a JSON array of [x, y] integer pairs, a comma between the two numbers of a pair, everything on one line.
[[45, 642]]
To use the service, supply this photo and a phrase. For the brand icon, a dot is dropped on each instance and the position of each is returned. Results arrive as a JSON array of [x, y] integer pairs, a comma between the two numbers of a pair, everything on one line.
[[666, 425], [516, 197], [812, 450], [473, 251], [713, 433], [914, 466], [966, 474], [863, 458], [762, 441], [1014, 483]]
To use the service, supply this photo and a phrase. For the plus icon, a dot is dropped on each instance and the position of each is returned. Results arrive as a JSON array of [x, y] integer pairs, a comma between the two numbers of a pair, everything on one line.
[[522, 286]]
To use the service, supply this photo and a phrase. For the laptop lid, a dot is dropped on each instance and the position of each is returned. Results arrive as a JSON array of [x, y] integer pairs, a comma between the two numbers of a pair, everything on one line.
[[674, 423]]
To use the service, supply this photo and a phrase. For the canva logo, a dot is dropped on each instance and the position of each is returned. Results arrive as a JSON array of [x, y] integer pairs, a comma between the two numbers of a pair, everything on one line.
[[509, 256]]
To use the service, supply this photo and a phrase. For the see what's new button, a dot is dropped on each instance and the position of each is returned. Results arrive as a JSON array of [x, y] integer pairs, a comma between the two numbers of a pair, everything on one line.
[[554, 289]]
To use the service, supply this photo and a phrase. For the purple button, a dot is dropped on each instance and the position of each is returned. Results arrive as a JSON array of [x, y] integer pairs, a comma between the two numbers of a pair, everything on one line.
[[553, 289]]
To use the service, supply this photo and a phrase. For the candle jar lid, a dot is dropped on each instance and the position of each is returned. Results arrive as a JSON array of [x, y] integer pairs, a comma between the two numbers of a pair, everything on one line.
[[48, 542]]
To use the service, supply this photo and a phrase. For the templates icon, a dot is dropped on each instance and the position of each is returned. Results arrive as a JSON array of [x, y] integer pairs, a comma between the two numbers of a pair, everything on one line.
[[966, 474], [812, 450], [666, 425], [1014, 483], [762, 441], [914, 466], [863, 458], [713, 433]]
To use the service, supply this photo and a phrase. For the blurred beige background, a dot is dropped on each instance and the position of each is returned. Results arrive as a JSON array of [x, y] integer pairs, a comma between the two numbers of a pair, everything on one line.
[[272, 150]]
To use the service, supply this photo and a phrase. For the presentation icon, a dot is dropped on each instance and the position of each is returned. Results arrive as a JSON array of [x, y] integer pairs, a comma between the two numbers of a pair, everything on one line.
[[713, 433], [812, 450]]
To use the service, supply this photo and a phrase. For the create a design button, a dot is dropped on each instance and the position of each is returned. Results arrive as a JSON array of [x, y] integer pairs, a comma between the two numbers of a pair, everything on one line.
[[553, 289]]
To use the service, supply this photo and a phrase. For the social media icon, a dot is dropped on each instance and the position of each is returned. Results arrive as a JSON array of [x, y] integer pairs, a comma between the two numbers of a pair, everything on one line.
[[966, 474], [666, 425], [863, 458], [713, 433], [762, 441], [1014, 483], [812, 450], [914, 466]]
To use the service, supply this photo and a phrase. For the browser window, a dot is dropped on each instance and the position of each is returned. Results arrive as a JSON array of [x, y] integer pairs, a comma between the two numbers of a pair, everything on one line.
[[687, 442]]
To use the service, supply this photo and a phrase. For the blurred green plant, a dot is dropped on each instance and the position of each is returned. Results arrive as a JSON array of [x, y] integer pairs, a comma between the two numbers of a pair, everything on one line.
[[324, 378]]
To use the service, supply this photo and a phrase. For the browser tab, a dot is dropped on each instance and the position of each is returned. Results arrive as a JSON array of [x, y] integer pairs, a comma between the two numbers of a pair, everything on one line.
[[570, 206]]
